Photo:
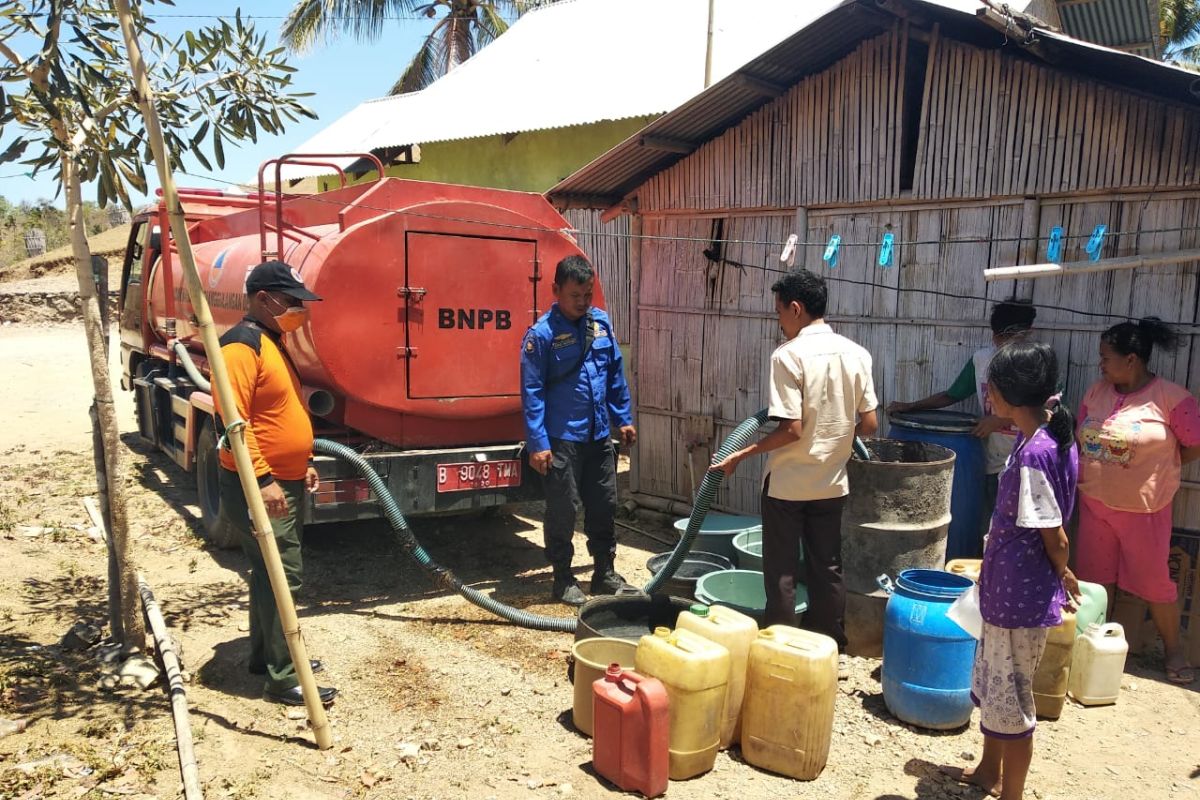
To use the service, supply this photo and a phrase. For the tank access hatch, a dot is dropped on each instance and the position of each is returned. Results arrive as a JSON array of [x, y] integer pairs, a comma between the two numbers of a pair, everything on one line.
[[469, 301]]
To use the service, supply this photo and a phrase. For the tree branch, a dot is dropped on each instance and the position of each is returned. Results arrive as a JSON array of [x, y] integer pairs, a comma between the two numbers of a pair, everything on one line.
[[41, 73], [17, 61]]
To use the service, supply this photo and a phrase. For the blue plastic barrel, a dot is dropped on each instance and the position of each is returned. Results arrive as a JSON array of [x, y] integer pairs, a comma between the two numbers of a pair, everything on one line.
[[952, 429], [927, 658]]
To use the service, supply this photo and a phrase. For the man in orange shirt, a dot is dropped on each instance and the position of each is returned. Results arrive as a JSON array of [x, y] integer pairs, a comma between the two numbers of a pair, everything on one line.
[[279, 436]]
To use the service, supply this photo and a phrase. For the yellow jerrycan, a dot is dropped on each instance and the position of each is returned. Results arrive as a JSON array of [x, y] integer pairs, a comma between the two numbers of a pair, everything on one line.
[[787, 716], [696, 674], [735, 632], [1050, 679]]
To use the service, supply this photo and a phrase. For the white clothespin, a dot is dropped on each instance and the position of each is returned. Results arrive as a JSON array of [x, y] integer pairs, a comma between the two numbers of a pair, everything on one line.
[[789, 250]]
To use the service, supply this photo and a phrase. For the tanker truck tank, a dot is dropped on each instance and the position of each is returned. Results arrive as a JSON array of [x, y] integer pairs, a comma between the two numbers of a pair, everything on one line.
[[411, 358], [428, 290]]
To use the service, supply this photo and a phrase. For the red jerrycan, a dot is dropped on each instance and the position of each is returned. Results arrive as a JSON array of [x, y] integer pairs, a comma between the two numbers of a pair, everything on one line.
[[631, 733]]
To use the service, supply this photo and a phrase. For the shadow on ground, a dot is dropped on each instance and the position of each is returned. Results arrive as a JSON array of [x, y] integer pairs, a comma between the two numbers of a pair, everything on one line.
[[934, 784], [42, 681], [360, 567]]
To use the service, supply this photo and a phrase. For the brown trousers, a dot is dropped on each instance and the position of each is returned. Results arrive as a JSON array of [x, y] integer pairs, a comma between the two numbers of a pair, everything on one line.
[[817, 526]]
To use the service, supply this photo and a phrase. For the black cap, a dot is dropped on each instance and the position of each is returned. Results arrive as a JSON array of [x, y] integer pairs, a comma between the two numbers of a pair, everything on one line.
[[276, 276]]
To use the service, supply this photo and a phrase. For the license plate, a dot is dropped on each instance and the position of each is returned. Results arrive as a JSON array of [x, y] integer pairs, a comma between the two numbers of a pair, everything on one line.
[[478, 475]]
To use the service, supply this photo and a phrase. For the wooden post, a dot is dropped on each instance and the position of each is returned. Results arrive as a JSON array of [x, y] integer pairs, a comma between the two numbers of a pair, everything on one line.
[[801, 230], [235, 429], [1031, 220], [633, 247]]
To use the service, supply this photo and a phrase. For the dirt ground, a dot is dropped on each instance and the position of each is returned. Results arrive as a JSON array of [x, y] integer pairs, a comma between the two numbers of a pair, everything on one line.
[[438, 700]]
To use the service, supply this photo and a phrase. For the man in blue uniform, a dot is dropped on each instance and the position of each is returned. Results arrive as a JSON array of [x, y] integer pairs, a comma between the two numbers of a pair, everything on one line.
[[573, 392]]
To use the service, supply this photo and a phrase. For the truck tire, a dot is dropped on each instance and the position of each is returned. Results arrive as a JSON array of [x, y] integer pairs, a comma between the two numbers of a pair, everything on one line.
[[216, 528]]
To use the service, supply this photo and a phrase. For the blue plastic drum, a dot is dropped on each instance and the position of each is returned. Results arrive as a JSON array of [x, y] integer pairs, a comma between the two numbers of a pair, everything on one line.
[[927, 658], [952, 429]]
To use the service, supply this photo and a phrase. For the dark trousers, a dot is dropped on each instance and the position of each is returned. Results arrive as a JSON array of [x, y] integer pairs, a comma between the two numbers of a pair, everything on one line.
[[267, 645], [818, 525], [587, 472]]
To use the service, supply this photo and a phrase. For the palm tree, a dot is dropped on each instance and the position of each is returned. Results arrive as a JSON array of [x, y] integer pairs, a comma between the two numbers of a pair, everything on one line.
[[467, 26], [1179, 26]]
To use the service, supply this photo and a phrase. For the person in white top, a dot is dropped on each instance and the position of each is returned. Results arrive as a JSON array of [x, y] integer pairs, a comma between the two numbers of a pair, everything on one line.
[[1011, 321], [822, 396]]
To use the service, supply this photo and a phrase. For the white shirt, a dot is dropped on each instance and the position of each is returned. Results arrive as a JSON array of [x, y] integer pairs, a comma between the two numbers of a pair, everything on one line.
[[823, 380]]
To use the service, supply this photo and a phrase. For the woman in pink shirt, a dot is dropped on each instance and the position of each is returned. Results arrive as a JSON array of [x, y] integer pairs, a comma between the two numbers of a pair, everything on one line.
[[1135, 432]]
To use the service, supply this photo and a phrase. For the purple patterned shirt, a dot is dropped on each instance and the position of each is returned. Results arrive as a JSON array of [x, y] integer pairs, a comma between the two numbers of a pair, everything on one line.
[[1017, 585]]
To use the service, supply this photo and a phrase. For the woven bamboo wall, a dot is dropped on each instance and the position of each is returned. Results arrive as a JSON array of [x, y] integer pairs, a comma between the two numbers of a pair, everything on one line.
[[706, 329], [992, 124], [1007, 149], [607, 245]]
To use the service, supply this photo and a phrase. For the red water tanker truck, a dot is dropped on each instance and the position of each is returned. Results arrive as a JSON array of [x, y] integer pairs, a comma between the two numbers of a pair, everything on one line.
[[411, 358]]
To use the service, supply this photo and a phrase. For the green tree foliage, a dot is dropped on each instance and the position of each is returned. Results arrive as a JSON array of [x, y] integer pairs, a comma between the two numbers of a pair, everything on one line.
[[1179, 26], [17, 218], [465, 28], [217, 85]]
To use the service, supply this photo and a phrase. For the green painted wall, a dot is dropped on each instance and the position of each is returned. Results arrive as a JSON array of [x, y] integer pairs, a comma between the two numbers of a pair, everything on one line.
[[532, 161]]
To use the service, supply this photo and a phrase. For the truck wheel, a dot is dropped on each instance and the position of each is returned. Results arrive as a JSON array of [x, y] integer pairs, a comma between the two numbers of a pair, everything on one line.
[[217, 529]]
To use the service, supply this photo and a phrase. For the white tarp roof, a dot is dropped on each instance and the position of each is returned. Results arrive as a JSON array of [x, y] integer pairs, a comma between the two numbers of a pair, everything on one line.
[[572, 63]]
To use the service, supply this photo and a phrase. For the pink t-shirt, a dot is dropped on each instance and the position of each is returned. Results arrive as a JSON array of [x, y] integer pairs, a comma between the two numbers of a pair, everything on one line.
[[1129, 443]]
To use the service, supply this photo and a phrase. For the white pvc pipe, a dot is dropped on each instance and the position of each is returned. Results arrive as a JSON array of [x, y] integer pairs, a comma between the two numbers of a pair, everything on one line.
[[1084, 267]]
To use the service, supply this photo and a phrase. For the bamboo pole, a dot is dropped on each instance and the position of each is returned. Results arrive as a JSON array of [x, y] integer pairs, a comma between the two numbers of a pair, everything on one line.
[[1085, 267], [235, 428], [179, 710]]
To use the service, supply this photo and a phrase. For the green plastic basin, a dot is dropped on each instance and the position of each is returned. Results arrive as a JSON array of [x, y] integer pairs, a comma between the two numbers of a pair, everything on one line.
[[742, 590], [717, 532], [747, 546]]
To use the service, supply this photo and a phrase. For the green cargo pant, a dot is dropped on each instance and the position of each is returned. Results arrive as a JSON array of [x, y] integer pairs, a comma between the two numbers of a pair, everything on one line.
[[267, 645]]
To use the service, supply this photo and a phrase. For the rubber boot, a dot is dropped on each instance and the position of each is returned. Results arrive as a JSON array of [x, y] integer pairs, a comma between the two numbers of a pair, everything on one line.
[[566, 589], [605, 579]]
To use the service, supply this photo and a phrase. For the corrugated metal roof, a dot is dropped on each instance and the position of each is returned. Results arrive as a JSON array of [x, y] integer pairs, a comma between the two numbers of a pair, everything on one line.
[[572, 63], [1123, 24], [614, 174]]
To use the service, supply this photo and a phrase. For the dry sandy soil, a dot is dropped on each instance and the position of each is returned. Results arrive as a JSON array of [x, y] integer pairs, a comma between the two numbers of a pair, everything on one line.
[[487, 704]]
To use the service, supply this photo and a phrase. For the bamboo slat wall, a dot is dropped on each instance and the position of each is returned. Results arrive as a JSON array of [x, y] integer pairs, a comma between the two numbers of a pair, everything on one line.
[[992, 124], [828, 137], [706, 329], [607, 245], [1007, 149], [999, 125]]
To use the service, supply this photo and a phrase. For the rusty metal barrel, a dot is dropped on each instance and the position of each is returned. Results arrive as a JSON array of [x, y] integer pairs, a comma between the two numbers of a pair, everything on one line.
[[897, 517]]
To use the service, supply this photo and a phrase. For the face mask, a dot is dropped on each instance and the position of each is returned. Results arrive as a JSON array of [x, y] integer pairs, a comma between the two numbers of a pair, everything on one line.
[[292, 320]]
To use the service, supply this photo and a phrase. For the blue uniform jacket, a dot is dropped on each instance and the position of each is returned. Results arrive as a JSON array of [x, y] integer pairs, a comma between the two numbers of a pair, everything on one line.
[[578, 407]]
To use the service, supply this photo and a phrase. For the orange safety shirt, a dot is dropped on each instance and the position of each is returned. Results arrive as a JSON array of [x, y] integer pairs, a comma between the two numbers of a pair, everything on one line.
[[279, 432]]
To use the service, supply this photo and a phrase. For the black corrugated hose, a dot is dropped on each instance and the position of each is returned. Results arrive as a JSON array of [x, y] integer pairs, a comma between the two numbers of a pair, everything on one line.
[[442, 577]]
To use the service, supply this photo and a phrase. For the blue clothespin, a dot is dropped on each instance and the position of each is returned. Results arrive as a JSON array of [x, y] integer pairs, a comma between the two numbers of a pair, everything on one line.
[[1054, 247], [1095, 244], [885, 250], [831, 251]]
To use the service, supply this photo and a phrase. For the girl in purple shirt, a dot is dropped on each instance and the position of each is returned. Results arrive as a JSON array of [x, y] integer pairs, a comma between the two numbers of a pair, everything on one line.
[[1024, 583]]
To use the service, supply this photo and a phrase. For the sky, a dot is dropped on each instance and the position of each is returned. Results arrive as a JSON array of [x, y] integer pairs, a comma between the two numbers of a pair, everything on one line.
[[341, 73]]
